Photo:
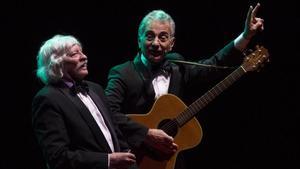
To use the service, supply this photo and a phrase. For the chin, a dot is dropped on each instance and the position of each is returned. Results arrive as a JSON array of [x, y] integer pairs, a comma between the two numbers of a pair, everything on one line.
[[157, 59], [82, 75]]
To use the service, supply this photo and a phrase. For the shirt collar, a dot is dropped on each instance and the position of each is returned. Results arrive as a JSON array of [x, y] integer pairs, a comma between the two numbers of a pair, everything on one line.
[[69, 84]]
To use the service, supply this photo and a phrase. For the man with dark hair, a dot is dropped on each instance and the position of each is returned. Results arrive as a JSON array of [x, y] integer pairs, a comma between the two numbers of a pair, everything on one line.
[[134, 86]]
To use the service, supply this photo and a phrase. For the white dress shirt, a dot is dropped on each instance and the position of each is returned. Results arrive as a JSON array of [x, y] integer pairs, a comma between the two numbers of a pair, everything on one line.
[[89, 103], [160, 83]]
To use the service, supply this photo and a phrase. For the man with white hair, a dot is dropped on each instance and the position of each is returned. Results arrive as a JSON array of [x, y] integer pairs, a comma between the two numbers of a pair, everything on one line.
[[71, 119]]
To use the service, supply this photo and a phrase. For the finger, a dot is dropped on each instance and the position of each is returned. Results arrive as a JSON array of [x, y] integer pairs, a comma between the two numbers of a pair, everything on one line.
[[261, 24], [254, 12], [166, 138], [131, 156], [175, 146], [262, 27], [130, 162], [169, 139], [171, 148], [249, 15], [128, 159]]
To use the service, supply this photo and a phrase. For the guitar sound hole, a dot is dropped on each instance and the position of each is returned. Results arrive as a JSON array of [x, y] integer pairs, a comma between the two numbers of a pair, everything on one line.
[[169, 126]]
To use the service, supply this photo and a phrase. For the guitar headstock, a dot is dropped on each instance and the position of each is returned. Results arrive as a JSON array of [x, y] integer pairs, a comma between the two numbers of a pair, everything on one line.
[[255, 60]]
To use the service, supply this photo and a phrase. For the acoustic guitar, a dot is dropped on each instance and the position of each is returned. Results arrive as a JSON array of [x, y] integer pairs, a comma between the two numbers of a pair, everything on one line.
[[171, 115]]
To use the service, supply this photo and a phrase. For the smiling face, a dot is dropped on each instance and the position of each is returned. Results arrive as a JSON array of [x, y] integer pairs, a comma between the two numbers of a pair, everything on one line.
[[75, 64], [156, 41]]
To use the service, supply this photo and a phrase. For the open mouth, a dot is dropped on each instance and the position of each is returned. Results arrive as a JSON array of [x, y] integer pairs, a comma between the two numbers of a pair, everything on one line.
[[156, 53], [83, 66]]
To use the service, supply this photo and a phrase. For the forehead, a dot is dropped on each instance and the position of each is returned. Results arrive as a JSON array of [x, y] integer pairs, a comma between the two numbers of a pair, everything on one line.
[[75, 47], [159, 26]]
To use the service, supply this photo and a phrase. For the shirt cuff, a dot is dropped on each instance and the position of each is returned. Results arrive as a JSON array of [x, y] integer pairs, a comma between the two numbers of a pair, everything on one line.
[[108, 160]]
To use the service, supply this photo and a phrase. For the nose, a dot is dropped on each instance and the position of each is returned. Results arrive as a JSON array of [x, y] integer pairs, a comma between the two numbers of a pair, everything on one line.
[[83, 56], [155, 42]]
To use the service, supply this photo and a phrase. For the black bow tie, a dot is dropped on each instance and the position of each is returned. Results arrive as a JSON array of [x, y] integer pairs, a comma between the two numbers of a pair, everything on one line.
[[163, 69], [80, 87]]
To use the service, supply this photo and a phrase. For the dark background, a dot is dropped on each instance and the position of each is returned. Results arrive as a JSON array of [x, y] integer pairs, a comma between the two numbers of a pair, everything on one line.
[[253, 124]]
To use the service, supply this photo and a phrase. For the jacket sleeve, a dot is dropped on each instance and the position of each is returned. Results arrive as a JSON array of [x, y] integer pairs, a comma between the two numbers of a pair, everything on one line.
[[228, 56], [115, 91]]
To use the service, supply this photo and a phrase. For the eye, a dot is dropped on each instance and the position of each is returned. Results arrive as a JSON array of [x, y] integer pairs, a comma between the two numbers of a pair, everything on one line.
[[73, 54], [149, 36], [164, 37], [76, 53]]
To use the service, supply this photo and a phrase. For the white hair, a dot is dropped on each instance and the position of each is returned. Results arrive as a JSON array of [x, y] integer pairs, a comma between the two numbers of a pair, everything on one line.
[[50, 57], [156, 15]]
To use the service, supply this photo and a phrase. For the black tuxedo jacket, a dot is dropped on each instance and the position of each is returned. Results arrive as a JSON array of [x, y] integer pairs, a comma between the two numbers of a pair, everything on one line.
[[67, 132]]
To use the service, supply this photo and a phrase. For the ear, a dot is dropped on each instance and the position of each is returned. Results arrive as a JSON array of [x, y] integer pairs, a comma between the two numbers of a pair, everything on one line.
[[172, 42]]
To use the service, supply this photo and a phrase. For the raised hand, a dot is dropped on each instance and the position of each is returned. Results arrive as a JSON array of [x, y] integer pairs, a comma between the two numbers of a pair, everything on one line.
[[253, 23]]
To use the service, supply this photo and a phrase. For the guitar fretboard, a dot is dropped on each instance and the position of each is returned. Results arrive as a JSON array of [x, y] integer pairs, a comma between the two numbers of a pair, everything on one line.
[[200, 103]]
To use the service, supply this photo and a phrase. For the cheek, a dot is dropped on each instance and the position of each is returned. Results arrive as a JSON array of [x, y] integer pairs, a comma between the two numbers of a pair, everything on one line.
[[167, 46], [144, 44], [69, 67]]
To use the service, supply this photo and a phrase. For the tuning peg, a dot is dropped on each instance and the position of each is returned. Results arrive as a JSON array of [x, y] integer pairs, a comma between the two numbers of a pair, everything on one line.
[[247, 52], [257, 47], [268, 60]]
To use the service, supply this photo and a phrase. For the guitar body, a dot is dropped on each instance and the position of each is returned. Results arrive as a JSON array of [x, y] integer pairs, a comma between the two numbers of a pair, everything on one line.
[[188, 136]]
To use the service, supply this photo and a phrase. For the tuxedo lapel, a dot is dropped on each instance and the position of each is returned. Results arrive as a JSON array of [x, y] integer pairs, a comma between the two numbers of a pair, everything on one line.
[[144, 73], [175, 80], [108, 122], [87, 116], [146, 76]]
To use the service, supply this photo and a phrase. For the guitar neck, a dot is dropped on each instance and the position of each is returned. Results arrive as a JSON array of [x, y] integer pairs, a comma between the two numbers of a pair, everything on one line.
[[200, 103]]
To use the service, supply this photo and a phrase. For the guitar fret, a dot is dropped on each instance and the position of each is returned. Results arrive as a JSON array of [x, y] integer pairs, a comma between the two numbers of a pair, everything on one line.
[[180, 119], [240, 71], [213, 90], [232, 78], [223, 84], [207, 96], [226, 82], [198, 104], [219, 88]]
